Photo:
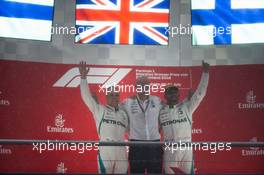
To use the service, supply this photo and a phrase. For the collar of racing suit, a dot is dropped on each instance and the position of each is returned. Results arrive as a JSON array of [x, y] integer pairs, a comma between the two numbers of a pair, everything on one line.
[[141, 101], [172, 106]]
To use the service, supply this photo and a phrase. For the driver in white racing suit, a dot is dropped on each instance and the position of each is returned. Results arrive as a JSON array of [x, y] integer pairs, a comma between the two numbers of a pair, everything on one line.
[[176, 122], [111, 124]]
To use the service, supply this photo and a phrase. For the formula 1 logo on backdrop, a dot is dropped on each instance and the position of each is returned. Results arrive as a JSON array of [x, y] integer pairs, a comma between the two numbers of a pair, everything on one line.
[[251, 102], [105, 76], [253, 151], [61, 168], [59, 125]]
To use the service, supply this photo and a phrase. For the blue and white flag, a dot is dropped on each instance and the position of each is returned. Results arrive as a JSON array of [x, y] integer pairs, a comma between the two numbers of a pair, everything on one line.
[[227, 22], [26, 19]]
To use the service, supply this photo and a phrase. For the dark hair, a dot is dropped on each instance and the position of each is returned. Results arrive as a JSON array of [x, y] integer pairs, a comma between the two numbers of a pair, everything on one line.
[[171, 87]]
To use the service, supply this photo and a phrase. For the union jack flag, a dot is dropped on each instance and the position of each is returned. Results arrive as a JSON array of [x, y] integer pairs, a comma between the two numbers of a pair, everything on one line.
[[142, 22]]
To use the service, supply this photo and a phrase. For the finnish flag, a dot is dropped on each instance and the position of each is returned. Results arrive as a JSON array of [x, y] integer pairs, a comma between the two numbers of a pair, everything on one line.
[[227, 22], [26, 19]]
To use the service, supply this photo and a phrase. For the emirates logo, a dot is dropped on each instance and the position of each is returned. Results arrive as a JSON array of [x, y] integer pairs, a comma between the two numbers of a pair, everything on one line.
[[59, 121], [250, 102], [61, 169], [250, 97], [59, 125]]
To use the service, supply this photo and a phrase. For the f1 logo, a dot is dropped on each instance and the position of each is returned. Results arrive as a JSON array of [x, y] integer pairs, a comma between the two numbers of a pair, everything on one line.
[[105, 76]]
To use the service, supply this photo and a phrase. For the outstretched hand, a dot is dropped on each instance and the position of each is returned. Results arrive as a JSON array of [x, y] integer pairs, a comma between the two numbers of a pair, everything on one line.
[[83, 69], [206, 67]]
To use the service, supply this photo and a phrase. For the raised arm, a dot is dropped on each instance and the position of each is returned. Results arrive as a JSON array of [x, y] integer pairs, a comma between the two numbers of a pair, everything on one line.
[[196, 97], [87, 98]]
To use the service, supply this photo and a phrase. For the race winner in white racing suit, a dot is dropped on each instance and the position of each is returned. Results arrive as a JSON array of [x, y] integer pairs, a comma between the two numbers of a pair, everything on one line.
[[111, 124], [176, 123]]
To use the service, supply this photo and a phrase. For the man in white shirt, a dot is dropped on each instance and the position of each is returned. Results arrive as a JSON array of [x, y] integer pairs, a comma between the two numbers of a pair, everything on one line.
[[111, 124], [143, 112], [176, 123]]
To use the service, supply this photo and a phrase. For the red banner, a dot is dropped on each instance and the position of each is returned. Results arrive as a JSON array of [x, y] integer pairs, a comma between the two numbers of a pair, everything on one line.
[[42, 101]]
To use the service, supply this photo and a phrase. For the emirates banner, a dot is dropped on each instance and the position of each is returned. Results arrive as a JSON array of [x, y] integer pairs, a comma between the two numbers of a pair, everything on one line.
[[42, 102]]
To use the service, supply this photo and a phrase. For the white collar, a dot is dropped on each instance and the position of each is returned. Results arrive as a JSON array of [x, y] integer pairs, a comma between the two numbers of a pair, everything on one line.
[[141, 101]]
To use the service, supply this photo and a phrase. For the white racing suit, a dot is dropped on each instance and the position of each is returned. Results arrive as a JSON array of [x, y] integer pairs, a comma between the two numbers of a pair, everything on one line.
[[111, 126], [176, 123]]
